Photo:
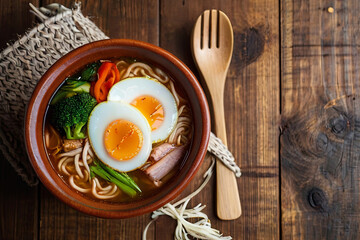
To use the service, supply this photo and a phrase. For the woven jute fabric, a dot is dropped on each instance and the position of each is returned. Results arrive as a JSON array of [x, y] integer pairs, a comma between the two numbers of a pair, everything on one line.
[[24, 62], [21, 66]]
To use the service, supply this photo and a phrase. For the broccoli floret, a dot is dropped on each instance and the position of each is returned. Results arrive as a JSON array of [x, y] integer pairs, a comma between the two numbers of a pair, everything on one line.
[[71, 114]]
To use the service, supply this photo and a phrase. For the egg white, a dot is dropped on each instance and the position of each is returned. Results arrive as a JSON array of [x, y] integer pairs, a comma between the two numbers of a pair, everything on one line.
[[129, 89], [105, 113]]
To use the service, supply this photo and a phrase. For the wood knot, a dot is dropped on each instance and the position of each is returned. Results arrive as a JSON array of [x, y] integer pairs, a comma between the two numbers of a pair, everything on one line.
[[338, 125], [318, 200], [322, 142], [252, 44]]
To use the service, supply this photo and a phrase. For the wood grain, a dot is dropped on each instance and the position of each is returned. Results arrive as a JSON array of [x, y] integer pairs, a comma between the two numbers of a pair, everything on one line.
[[251, 108], [18, 206], [252, 129], [12, 26], [212, 48], [122, 19], [118, 19], [320, 119], [18, 202]]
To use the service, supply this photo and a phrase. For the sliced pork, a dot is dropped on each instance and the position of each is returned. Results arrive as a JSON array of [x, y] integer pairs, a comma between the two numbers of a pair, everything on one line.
[[162, 167], [71, 144], [160, 151]]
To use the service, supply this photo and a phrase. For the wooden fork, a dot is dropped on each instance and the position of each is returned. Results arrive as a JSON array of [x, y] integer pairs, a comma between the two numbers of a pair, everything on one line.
[[212, 47]]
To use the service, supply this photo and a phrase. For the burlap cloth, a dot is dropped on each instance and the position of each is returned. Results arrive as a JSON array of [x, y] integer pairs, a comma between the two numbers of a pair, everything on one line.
[[24, 62]]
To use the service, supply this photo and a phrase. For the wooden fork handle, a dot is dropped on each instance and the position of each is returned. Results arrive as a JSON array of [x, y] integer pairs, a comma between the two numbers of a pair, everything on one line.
[[227, 194]]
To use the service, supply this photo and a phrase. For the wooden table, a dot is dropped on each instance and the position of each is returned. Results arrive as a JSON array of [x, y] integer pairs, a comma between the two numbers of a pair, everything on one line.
[[292, 114]]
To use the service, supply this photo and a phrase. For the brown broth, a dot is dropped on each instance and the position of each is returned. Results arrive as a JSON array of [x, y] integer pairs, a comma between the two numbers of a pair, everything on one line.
[[146, 185]]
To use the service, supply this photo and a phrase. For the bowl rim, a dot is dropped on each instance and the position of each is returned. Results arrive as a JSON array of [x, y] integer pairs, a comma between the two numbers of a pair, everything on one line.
[[31, 116]]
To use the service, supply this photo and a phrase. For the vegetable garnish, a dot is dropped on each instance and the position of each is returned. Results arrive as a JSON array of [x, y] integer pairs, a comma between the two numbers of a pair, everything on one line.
[[78, 83], [70, 115], [70, 88], [108, 76], [120, 179], [106, 176], [121, 176], [90, 72]]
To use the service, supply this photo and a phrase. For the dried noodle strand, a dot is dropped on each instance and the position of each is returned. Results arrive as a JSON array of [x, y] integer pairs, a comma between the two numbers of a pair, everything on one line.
[[200, 229]]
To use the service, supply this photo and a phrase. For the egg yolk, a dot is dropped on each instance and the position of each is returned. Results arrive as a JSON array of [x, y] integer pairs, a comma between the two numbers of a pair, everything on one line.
[[151, 108], [123, 140]]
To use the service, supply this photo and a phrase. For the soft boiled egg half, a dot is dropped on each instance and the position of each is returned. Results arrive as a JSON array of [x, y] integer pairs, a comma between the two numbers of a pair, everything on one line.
[[120, 135], [152, 99]]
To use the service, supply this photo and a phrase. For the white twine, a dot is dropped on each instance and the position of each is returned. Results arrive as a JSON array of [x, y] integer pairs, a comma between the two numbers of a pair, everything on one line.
[[178, 211], [22, 64], [202, 228], [217, 148]]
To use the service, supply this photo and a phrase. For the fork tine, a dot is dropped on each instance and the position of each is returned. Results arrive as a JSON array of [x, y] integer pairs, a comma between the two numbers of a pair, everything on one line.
[[205, 29], [225, 29], [213, 29]]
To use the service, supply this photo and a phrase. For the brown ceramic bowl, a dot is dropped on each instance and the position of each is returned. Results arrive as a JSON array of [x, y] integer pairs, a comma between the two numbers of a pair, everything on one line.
[[71, 63]]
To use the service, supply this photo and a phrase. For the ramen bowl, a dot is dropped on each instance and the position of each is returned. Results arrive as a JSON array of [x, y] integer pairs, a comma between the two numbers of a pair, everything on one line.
[[78, 59]]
